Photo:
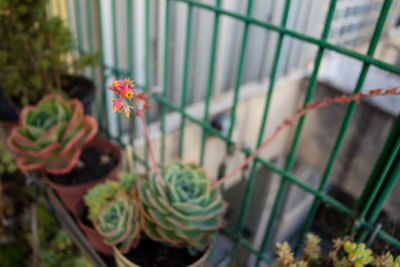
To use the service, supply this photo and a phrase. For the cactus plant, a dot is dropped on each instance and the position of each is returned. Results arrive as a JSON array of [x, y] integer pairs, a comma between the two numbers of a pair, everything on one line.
[[185, 211], [51, 134]]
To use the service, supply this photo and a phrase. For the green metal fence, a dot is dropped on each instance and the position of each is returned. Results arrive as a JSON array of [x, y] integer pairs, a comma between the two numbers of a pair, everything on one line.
[[387, 168]]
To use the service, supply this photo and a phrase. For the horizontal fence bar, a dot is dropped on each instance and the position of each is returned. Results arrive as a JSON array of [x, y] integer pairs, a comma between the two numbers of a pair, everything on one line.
[[341, 50]]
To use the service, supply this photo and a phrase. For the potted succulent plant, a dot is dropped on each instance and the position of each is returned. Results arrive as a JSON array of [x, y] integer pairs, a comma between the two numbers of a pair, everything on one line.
[[57, 138], [109, 215], [177, 208], [355, 255], [178, 205], [33, 58], [177, 219]]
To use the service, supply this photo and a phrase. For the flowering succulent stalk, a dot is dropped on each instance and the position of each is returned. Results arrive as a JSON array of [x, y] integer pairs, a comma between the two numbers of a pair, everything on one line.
[[170, 201], [184, 212], [50, 135], [124, 101], [341, 99], [126, 98]]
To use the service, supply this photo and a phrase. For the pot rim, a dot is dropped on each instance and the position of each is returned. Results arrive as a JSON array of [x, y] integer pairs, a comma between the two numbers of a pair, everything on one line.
[[90, 144], [118, 254]]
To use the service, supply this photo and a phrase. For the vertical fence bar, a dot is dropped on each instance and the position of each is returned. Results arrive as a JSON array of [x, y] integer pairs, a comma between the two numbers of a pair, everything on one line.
[[349, 114], [236, 93], [250, 184], [165, 80], [388, 164], [185, 77], [309, 94], [78, 21], [130, 64], [393, 176], [92, 48], [116, 60], [240, 70], [104, 97], [69, 12], [210, 81], [394, 133], [147, 68]]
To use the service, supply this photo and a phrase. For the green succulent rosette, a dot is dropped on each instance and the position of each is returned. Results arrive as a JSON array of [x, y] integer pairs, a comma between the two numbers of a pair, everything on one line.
[[118, 222], [184, 210], [50, 135]]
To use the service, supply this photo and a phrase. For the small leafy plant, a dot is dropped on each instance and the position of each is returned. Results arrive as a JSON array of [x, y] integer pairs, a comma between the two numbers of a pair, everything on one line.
[[33, 50], [7, 163], [51, 134], [356, 255]]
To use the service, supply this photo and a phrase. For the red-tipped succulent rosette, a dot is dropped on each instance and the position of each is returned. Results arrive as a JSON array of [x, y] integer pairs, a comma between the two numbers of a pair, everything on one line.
[[50, 135], [185, 211]]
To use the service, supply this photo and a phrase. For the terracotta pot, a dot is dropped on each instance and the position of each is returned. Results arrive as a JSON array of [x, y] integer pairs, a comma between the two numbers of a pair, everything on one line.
[[8, 125], [70, 195], [93, 236], [123, 261]]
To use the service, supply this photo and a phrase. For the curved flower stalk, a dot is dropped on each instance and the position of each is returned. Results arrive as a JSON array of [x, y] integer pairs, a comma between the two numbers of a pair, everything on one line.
[[118, 222], [51, 134], [186, 210]]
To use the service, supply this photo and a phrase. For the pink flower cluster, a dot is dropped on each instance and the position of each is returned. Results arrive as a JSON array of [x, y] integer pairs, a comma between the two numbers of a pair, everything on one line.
[[126, 98]]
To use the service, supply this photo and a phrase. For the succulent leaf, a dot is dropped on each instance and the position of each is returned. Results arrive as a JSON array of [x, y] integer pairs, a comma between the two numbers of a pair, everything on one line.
[[183, 212], [51, 134]]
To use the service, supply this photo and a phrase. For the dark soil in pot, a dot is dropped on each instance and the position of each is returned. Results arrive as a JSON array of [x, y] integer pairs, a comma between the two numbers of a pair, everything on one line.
[[6, 177], [7, 110], [83, 216], [329, 223], [93, 163], [76, 86], [155, 254]]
